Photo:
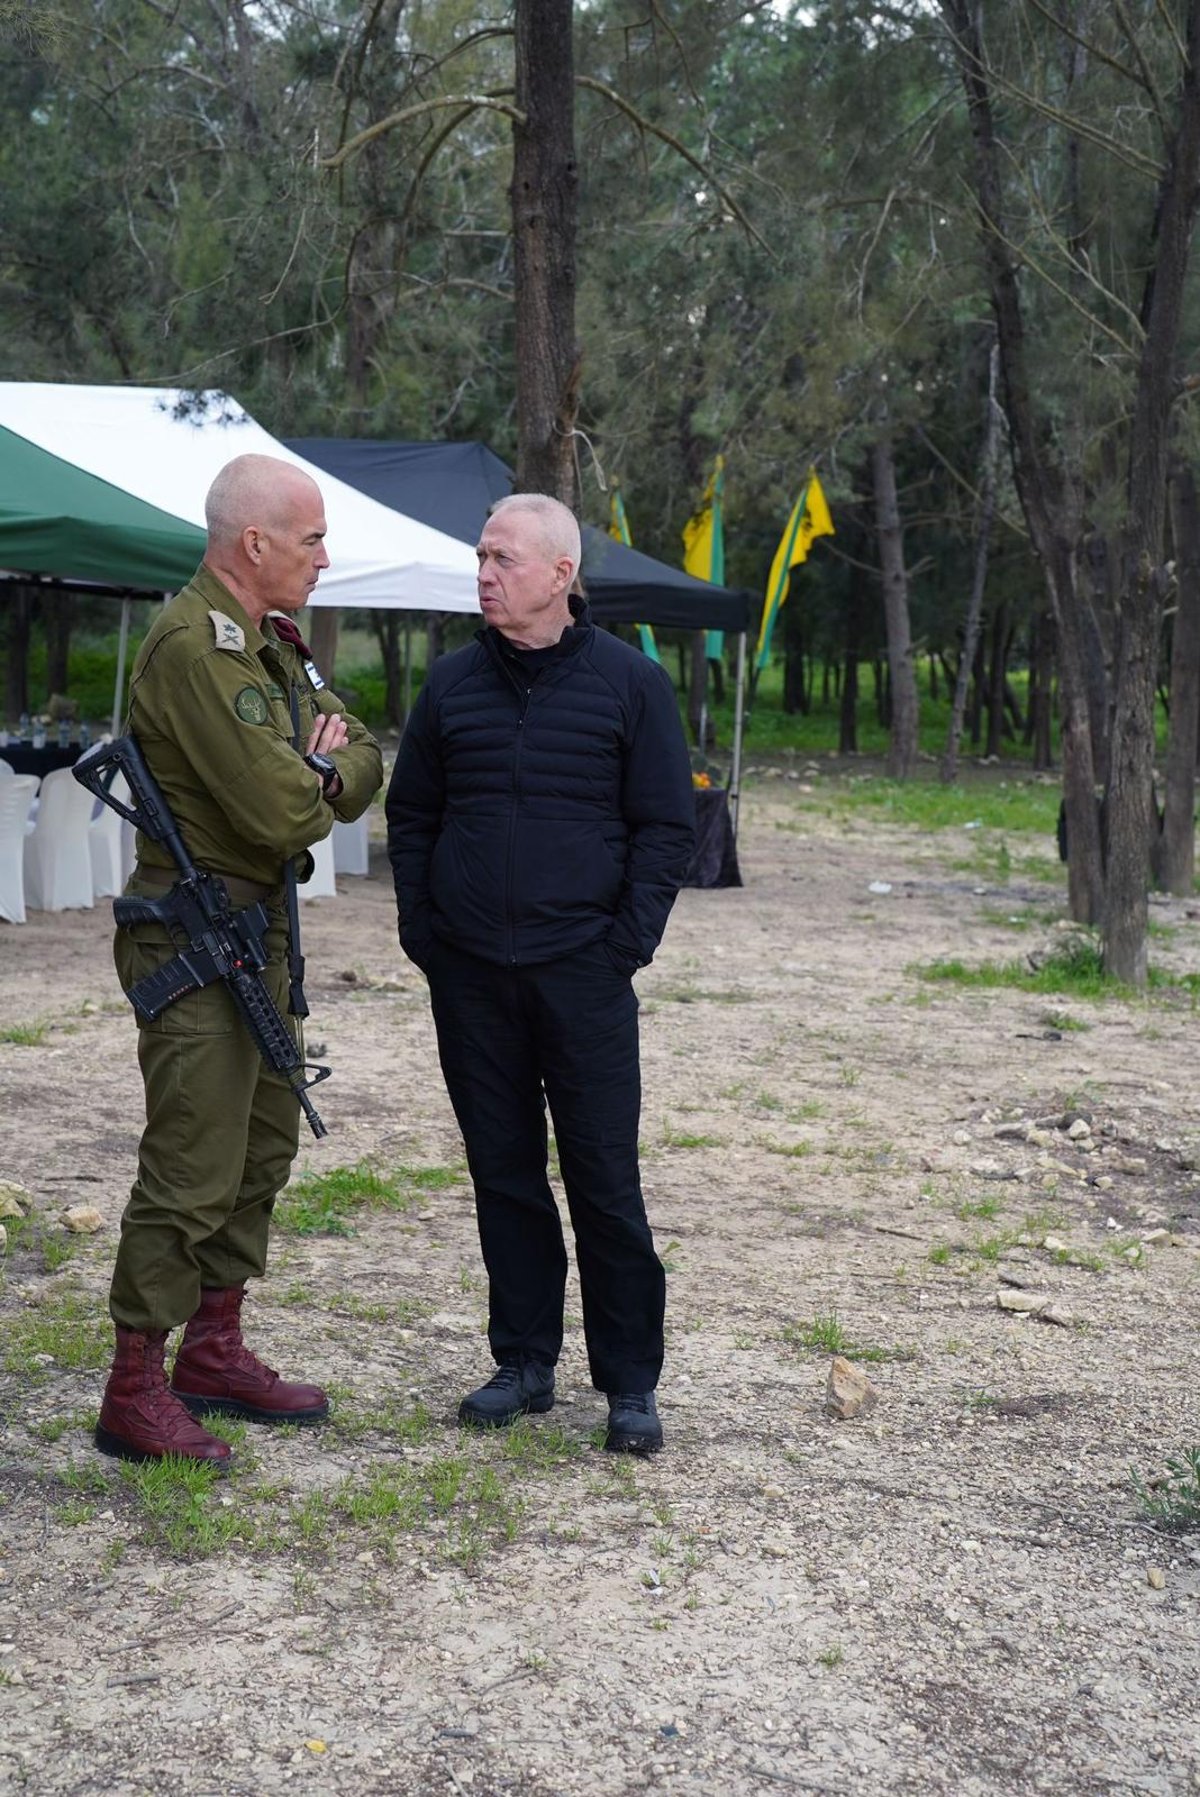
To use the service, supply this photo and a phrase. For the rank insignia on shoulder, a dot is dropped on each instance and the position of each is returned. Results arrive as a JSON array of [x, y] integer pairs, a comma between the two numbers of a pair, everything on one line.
[[314, 679], [251, 706], [228, 634]]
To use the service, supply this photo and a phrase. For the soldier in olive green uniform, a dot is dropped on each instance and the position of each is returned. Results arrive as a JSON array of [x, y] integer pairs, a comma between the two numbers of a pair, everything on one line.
[[211, 705]]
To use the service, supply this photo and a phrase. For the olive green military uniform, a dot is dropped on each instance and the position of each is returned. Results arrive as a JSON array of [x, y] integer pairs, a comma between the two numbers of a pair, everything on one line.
[[210, 707]]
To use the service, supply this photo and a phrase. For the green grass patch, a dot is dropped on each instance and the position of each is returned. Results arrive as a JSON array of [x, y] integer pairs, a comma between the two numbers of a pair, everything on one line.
[[25, 1035], [66, 1328], [1075, 968], [825, 1334], [179, 1504], [1172, 1499], [1017, 806], [323, 1203], [987, 1207]]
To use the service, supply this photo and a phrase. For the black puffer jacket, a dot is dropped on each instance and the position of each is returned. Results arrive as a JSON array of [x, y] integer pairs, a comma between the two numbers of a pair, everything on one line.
[[531, 814]]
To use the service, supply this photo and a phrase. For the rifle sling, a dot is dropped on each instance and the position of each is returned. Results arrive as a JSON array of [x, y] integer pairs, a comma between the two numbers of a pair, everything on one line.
[[297, 1003]]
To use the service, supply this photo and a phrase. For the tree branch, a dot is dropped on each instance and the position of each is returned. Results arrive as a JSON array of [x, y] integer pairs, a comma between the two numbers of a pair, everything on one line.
[[491, 102], [1132, 39], [1093, 50], [667, 137]]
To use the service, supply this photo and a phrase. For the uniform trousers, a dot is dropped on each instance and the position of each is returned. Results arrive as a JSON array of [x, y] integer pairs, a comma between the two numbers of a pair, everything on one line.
[[221, 1135], [512, 1040]]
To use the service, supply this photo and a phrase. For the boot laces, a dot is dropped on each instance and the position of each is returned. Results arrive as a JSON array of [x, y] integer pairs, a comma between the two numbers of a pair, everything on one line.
[[504, 1378], [641, 1402]]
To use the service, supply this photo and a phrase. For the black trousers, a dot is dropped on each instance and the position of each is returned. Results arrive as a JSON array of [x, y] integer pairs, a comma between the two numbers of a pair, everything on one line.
[[512, 1040]]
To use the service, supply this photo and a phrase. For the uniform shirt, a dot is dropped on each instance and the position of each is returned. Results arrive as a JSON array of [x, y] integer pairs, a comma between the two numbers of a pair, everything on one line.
[[209, 706]]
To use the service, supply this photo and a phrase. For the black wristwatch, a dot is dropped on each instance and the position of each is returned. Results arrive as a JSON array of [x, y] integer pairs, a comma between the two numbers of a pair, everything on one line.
[[324, 767]]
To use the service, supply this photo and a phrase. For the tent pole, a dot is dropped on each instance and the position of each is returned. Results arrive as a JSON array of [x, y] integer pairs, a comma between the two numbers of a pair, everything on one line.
[[122, 649], [739, 725], [407, 666]]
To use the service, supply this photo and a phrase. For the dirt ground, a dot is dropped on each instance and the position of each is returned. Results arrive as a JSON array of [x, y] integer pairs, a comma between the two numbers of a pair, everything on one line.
[[955, 1592]]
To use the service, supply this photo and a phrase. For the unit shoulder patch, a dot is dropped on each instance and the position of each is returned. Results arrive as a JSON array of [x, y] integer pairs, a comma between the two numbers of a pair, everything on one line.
[[251, 706], [226, 633]]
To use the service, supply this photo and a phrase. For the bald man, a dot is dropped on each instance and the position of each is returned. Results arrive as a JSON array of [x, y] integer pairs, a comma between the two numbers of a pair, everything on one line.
[[540, 823], [256, 759]]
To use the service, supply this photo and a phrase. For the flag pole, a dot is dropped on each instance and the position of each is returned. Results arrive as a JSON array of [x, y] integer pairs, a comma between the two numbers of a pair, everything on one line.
[[739, 721]]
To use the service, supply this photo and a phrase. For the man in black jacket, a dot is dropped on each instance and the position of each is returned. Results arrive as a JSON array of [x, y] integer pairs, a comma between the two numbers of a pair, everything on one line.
[[540, 822]]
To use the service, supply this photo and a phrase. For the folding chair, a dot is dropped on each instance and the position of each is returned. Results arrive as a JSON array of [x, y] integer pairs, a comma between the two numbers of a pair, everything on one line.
[[58, 860], [17, 795]]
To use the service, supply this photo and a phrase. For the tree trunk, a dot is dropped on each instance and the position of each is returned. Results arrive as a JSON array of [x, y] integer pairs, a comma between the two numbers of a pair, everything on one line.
[[1176, 860], [996, 680], [20, 615], [1129, 797], [987, 509], [323, 624], [388, 627], [435, 638], [544, 195], [1047, 489], [902, 750], [698, 690], [848, 710], [795, 697], [57, 618]]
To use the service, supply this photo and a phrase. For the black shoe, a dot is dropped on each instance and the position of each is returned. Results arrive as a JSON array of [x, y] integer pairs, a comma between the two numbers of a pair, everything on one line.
[[633, 1425], [512, 1391]]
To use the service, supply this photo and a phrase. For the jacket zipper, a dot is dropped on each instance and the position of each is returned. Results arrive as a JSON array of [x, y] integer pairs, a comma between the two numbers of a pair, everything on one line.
[[523, 696]]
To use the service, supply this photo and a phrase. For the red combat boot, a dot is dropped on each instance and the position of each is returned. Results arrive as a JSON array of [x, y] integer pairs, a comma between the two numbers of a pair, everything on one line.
[[215, 1370], [139, 1418]]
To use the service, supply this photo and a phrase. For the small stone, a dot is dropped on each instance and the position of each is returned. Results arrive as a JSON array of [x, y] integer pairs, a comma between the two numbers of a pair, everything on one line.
[[773, 1493], [1054, 1244], [1011, 1132], [89, 1008], [777, 1550], [1050, 1313], [84, 1219], [848, 1391], [3, 1239], [14, 1199], [961, 1138], [1129, 1163], [986, 1170], [1152, 1236], [1103, 1183], [1079, 1130], [1156, 1578], [1027, 1303]]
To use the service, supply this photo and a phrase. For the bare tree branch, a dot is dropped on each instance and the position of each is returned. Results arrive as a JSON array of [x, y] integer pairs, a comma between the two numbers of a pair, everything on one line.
[[1093, 49], [491, 102], [1133, 159], [667, 137], [1131, 38], [1164, 13]]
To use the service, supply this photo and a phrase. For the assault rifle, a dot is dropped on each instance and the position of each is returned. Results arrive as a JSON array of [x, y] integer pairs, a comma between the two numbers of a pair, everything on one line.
[[215, 942]]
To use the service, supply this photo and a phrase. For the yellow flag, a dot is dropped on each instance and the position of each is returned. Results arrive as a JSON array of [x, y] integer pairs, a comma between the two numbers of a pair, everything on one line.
[[618, 529], [704, 532], [810, 518]]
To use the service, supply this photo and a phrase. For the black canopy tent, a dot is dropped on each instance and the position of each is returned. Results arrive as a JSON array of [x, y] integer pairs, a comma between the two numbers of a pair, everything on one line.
[[452, 485]]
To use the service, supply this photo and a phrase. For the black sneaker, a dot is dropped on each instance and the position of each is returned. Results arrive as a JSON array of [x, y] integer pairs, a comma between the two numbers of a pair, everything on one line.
[[633, 1425], [512, 1391]]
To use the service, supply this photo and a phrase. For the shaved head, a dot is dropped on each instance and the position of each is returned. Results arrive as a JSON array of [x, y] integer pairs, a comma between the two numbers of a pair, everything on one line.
[[557, 525], [256, 490], [266, 533]]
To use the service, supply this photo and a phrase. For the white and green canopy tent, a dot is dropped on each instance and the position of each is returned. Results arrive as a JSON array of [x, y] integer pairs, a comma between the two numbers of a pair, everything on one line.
[[106, 486]]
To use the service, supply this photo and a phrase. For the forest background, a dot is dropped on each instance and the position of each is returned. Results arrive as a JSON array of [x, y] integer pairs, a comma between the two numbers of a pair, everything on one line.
[[941, 252]]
